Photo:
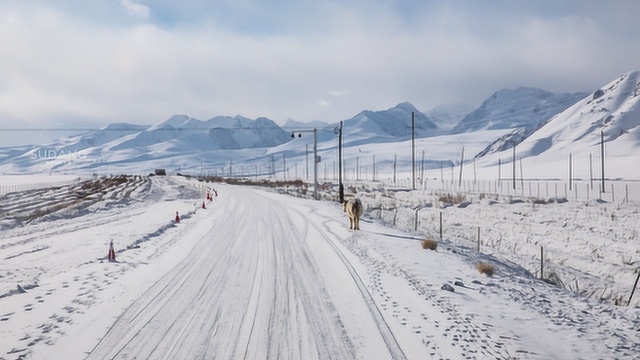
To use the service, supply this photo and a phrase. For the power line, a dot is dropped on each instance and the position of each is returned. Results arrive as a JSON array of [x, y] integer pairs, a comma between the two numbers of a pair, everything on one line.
[[140, 129]]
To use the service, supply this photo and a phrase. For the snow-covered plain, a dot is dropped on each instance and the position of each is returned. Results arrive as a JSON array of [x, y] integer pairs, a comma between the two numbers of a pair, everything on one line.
[[258, 274]]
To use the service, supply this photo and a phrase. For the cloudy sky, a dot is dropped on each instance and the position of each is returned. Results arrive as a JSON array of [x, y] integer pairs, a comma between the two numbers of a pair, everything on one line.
[[70, 63]]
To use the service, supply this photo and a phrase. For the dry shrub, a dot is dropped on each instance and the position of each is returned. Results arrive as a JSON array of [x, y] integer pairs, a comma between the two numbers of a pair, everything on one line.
[[452, 199], [429, 244], [485, 268]]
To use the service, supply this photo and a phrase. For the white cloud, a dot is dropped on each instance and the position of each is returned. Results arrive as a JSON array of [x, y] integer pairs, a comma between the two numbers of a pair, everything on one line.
[[322, 102], [58, 64], [136, 9]]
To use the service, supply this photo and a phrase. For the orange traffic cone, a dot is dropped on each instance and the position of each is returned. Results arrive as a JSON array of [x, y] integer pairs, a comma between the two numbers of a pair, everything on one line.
[[112, 254], [177, 217], [203, 206]]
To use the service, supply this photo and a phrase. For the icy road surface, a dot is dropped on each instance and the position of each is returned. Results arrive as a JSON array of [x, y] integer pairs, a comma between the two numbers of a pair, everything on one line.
[[262, 282]]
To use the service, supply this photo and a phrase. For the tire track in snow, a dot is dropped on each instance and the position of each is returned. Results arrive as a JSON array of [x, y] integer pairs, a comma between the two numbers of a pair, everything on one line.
[[254, 300], [316, 331], [206, 307], [390, 340], [136, 323]]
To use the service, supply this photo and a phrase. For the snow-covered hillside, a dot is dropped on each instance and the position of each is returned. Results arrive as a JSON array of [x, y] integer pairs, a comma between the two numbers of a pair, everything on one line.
[[447, 116], [127, 146], [613, 110], [394, 123], [521, 108]]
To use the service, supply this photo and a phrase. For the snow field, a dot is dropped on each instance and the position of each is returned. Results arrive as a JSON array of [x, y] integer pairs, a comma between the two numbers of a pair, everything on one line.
[[262, 275], [589, 245], [66, 264]]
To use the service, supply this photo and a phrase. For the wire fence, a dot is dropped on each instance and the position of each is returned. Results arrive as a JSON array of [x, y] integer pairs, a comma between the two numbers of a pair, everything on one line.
[[562, 245], [11, 188], [615, 191]]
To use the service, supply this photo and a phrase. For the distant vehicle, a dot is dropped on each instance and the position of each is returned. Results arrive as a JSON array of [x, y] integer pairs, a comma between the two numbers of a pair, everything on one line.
[[161, 172]]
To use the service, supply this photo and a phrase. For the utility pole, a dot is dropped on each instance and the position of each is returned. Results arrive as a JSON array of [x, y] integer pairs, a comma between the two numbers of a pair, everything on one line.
[[591, 171], [461, 165], [395, 164], [316, 158], [570, 172], [284, 166], [602, 156], [373, 169], [338, 130], [474, 172], [514, 166], [422, 169], [413, 152]]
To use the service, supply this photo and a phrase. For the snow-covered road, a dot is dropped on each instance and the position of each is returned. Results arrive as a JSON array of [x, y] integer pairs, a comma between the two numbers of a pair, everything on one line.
[[255, 285]]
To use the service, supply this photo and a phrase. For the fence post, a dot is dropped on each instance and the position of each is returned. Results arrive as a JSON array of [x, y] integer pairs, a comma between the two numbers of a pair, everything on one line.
[[541, 262], [601, 190], [440, 225], [626, 193], [587, 192], [634, 288], [478, 238], [613, 195], [415, 220], [546, 184]]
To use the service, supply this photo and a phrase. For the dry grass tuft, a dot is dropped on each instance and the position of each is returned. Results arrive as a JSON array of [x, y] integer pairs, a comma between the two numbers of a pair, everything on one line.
[[429, 244], [452, 199], [486, 268]]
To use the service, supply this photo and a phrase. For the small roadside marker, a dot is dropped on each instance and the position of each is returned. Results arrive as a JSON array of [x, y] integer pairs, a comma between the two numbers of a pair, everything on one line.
[[112, 254]]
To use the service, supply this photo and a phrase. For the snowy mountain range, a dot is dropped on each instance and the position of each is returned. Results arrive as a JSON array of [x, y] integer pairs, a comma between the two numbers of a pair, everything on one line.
[[611, 113], [513, 109], [394, 123], [537, 121]]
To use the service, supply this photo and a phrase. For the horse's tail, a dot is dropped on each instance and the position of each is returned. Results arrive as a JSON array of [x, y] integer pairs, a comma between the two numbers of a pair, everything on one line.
[[358, 208]]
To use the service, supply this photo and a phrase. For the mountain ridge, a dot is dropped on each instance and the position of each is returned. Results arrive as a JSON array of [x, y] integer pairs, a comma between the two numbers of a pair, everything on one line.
[[185, 142], [510, 109]]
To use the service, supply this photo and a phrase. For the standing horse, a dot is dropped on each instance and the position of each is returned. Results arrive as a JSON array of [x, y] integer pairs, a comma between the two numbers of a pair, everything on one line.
[[353, 208]]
